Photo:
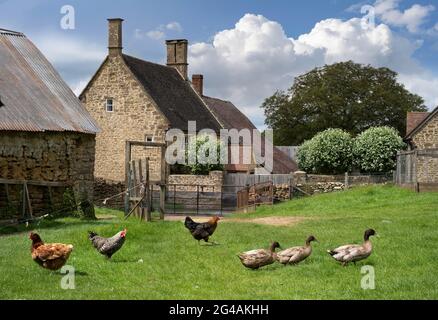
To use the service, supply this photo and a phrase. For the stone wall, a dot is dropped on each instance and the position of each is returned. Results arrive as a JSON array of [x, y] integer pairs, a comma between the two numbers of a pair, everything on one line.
[[314, 184], [134, 117], [57, 157], [104, 189], [211, 183], [427, 167]]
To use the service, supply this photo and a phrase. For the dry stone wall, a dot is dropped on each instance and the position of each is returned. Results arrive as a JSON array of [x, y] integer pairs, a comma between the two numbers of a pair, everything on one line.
[[55, 157]]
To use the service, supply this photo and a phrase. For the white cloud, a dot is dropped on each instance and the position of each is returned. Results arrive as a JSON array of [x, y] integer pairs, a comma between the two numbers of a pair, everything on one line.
[[174, 26], [249, 62], [424, 84], [155, 34], [61, 49], [72, 57], [412, 18], [79, 86], [160, 32]]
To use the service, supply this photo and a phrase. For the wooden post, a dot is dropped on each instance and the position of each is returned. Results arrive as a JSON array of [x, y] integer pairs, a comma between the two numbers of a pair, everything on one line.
[[272, 193], [163, 182], [148, 193], [8, 198], [346, 181], [162, 201], [197, 199], [221, 193], [50, 196], [29, 203], [134, 183], [127, 174], [23, 199], [174, 199], [141, 178]]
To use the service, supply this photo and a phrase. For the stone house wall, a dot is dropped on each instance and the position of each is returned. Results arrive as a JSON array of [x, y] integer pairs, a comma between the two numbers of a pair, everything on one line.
[[51, 156], [134, 117], [427, 167], [426, 139]]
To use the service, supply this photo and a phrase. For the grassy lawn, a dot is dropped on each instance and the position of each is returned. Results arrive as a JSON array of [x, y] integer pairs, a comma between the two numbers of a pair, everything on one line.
[[176, 267]]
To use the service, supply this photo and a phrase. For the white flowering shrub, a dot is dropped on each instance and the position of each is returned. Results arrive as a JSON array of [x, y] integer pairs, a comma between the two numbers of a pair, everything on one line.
[[375, 149], [329, 152]]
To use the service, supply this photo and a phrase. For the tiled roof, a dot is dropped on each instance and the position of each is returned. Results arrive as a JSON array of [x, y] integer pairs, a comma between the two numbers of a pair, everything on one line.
[[414, 119], [174, 96]]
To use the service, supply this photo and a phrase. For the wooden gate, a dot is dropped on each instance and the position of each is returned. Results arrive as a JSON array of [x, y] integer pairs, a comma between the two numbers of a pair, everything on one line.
[[250, 197], [132, 171], [139, 191]]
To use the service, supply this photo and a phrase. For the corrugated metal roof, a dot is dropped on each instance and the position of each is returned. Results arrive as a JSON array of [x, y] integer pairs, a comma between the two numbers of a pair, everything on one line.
[[34, 96]]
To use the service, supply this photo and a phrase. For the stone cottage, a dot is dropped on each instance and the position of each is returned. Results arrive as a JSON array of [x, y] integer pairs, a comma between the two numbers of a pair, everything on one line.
[[422, 139], [46, 135], [137, 100]]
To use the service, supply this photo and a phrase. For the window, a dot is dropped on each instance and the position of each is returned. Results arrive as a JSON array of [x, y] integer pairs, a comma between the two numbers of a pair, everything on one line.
[[109, 105], [149, 138], [1, 103]]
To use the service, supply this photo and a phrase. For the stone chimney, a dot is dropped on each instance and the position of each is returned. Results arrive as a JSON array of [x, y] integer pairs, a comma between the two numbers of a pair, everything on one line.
[[198, 83], [115, 36], [177, 56]]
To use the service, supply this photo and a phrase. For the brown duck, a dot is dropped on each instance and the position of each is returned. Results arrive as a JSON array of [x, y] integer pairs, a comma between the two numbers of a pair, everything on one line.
[[354, 252], [296, 254], [255, 259]]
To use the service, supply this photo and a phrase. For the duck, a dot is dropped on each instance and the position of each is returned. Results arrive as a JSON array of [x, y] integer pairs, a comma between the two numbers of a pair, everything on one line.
[[354, 252], [295, 255], [255, 259]]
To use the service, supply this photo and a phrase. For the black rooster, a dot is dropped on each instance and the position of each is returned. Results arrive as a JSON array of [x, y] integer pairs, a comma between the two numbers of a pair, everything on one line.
[[202, 231]]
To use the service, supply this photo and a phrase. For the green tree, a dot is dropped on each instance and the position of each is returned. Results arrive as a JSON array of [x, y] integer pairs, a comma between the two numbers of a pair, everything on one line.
[[375, 149], [345, 95]]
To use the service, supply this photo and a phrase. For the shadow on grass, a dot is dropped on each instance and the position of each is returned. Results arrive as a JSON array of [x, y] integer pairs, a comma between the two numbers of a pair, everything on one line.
[[76, 273], [124, 261]]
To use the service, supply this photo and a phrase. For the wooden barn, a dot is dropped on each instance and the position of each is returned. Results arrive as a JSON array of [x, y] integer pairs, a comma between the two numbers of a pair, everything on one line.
[[47, 138]]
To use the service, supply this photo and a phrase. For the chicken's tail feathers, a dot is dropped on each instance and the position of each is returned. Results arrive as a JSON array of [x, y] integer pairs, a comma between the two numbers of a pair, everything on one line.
[[189, 223]]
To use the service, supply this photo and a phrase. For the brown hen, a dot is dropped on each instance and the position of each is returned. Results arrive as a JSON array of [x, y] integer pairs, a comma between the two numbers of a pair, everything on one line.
[[51, 256]]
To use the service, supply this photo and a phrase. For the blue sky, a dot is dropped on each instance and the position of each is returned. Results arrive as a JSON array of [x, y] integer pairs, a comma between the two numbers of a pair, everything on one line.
[[247, 49]]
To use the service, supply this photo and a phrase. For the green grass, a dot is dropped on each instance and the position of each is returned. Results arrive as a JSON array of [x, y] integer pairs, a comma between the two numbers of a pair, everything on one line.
[[176, 267]]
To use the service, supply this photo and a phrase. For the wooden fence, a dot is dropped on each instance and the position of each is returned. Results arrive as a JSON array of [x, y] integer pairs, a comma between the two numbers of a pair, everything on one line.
[[256, 195], [418, 170], [26, 207]]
